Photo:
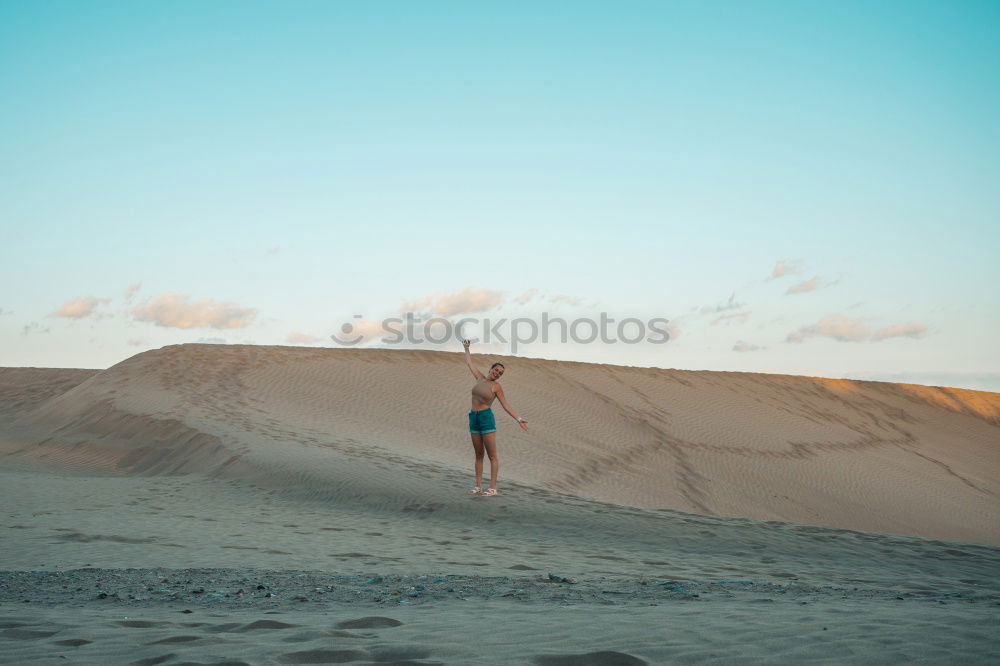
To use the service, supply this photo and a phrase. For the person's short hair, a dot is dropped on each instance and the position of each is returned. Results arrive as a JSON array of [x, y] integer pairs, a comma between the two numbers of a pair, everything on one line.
[[498, 363]]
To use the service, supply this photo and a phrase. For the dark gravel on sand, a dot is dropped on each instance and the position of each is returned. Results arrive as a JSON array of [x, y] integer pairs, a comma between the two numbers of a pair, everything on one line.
[[261, 588]]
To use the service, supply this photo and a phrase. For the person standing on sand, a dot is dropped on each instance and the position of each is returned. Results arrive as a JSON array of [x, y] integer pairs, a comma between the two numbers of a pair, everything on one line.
[[482, 423]]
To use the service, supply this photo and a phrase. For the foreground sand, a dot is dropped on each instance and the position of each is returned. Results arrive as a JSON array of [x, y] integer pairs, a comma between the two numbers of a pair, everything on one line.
[[649, 517]]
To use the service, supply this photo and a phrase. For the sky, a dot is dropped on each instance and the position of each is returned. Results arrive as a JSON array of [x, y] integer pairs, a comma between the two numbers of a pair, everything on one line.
[[796, 188]]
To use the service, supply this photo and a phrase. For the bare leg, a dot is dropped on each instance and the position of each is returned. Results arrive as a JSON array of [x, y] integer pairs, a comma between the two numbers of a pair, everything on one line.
[[490, 442], [477, 444]]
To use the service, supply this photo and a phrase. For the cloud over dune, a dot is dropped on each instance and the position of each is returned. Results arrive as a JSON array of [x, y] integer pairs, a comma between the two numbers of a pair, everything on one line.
[[809, 285], [79, 308], [526, 296], [783, 268], [177, 311], [804, 287], [909, 330], [456, 302], [472, 300], [303, 338], [845, 329], [357, 330], [836, 326]]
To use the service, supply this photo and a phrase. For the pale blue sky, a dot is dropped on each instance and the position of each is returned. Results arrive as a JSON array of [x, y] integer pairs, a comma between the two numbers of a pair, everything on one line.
[[303, 162]]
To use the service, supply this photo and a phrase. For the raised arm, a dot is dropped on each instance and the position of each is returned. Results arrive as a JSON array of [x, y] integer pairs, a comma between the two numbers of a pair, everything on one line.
[[468, 361], [508, 408]]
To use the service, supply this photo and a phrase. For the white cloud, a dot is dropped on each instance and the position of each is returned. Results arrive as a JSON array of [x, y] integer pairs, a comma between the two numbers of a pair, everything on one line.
[[359, 330], [79, 308], [303, 338], [741, 346], [845, 329], [456, 302], [783, 268], [809, 285], [175, 311], [368, 328], [804, 287], [835, 326], [912, 329], [526, 296]]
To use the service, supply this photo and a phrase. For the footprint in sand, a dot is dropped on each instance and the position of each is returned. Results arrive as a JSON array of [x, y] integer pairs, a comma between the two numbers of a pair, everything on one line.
[[589, 659], [176, 639], [399, 655], [153, 661], [140, 624], [322, 657], [266, 624], [370, 622], [27, 634]]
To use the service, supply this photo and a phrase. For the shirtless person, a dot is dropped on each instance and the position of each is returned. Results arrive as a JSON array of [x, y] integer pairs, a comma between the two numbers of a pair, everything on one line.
[[482, 423]]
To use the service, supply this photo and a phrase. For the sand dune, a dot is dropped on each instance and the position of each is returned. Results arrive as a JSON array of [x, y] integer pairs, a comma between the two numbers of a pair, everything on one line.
[[260, 505], [23, 389], [383, 427]]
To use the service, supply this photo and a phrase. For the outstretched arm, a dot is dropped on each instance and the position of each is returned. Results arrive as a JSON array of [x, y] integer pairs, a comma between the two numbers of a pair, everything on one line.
[[509, 409], [468, 361]]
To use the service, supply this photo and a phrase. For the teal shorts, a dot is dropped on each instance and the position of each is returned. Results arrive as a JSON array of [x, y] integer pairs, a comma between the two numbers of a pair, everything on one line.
[[482, 421]]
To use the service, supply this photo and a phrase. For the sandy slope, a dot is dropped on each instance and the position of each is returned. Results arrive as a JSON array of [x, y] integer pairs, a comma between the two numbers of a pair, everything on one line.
[[23, 389], [388, 426], [261, 505]]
